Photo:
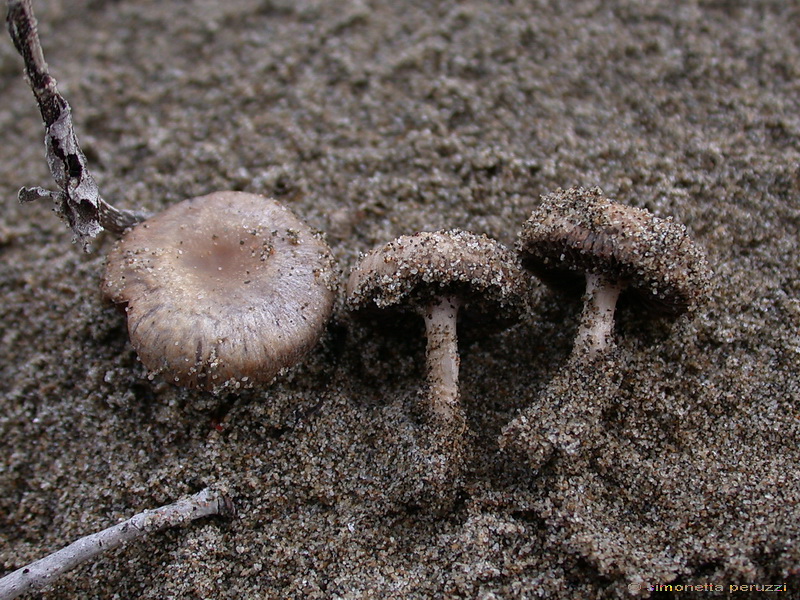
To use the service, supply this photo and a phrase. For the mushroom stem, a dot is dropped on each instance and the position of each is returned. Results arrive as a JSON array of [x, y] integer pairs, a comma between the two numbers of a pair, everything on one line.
[[443, 361], [596, 331]]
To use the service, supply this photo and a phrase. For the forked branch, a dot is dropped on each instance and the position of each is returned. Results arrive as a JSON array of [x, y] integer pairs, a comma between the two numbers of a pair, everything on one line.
[[78, 199]]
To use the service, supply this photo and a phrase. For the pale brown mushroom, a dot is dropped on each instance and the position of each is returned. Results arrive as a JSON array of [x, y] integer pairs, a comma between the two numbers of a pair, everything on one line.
[[578, 234], [437, 275], [222, 291]]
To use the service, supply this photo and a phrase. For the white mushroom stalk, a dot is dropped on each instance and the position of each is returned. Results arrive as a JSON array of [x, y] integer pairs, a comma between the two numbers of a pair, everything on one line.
[[441, 316], [595, 335]]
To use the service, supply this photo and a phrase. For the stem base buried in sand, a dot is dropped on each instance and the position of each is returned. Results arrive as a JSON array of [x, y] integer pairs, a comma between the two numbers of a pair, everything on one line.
[[567, 417], [447, 422]]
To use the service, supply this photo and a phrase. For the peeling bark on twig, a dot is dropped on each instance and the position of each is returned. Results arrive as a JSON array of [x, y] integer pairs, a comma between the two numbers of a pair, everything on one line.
[[42, 572], [78, 200]]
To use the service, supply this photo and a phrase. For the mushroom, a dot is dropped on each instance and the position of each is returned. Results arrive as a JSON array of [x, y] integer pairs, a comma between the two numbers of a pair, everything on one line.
[[438, 275], [222, 291], [576, 235]]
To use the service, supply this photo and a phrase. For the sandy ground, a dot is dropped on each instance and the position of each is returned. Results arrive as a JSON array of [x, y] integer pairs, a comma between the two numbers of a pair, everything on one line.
[[372, 120]]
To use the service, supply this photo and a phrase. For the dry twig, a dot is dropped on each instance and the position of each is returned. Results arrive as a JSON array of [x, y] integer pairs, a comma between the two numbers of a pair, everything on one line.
[[78, 200], [42, 572]]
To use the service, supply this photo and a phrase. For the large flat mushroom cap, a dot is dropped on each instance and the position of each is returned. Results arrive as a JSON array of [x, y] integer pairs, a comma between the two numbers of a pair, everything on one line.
[[578, 231], [413, 269], [224, 290]]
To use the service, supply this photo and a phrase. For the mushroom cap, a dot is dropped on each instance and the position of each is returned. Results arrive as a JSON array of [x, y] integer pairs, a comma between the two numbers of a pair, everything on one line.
[[578, 230], [224, 290], [412, 270]]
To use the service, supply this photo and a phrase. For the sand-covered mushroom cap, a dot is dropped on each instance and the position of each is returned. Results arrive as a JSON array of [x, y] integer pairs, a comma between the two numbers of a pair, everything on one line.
[[223, 290], [412, 270], [578, 231]]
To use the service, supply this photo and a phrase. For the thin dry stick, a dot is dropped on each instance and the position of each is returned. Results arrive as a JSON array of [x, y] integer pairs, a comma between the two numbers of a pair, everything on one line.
[[42, 572], [78, 201]]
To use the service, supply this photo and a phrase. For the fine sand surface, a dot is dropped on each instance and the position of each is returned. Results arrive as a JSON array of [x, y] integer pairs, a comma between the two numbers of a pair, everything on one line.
[[373, 119]]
